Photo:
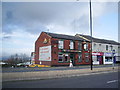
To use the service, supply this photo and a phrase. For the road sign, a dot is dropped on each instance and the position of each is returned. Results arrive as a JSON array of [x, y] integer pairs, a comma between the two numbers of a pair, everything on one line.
[[113, 51]]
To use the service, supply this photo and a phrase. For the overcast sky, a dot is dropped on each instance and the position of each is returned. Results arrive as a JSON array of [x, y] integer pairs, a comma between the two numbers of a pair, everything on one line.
[[22, 22]]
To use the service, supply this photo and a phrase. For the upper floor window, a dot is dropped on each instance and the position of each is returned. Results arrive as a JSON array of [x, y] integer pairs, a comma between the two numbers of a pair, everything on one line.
[[111, 47], [86, 46], [60, 44], [71, 45], [107, 47], [79, 45], [94, 44]]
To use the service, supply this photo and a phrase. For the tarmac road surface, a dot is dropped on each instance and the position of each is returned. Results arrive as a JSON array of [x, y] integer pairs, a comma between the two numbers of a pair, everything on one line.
[[103, 80]]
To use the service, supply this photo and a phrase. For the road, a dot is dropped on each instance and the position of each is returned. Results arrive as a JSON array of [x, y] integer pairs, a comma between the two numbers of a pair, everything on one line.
[[104, 80], [19, 69]]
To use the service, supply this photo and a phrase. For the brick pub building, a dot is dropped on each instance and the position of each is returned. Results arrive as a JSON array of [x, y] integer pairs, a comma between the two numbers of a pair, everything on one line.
[[58, 49]]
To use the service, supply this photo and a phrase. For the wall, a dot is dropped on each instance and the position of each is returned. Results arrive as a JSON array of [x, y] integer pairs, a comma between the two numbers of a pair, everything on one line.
[[102, 48], [39, 43], [54, 50]]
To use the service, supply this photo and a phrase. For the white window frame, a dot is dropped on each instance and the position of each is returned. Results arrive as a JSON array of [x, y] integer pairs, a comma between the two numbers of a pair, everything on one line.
[[85, 46], [60, 55], [107, 47], [71, 45], [61, 44]]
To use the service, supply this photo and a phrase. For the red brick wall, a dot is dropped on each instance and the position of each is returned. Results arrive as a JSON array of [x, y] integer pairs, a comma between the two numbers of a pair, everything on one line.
[[83, 54], [54, 50], [39, 43], [66, 44], [76, 45]]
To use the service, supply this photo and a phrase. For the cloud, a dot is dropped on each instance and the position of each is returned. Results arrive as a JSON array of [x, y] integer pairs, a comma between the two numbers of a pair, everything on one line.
[[24, 21], [35, 17], [18, 41]]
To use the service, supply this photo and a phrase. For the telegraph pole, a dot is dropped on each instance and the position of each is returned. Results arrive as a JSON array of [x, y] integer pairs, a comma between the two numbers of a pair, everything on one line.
[[91, 34]]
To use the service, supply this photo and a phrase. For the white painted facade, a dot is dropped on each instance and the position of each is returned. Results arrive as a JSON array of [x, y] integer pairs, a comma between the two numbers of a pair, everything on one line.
[[101, 47]]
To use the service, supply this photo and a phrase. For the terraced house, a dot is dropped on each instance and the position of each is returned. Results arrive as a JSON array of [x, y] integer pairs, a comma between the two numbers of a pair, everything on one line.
[[58, 49], [102, 50]]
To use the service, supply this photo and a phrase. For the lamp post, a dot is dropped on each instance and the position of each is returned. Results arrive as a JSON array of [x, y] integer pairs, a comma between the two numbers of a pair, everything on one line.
[[91, 34], [113, 52]]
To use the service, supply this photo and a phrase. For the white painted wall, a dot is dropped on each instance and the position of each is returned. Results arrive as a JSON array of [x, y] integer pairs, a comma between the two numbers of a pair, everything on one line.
[[101, 47]]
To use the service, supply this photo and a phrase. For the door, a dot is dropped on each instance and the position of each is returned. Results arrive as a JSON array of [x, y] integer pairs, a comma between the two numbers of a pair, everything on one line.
[[72, 58], [100, 59]]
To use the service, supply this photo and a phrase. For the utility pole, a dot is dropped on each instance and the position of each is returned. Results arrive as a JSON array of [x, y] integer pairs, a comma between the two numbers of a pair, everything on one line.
[[113, 53], [91, 34]]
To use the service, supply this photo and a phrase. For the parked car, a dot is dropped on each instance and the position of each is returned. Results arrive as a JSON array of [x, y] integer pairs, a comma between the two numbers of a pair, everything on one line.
[[26, 64]]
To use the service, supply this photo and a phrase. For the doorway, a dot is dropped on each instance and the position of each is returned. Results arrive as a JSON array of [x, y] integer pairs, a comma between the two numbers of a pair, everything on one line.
[[100, 59], [72, 57]]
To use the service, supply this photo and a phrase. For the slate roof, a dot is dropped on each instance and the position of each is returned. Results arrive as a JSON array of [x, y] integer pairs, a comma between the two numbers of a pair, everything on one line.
[[97, 40], [63, 36]]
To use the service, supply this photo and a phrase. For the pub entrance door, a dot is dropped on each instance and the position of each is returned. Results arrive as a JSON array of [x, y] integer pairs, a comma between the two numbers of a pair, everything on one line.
[[72, 58]]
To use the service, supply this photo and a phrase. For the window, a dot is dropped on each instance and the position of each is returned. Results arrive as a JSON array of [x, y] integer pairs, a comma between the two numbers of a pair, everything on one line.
[[107, 47], [111, 47], [71, 45], [86, 57], [79, 46], [63, 57], [66, 57], [108, 59], [60, 44], [94, 44], [86, 46], [79, 57], [60, 56], [94, 58]]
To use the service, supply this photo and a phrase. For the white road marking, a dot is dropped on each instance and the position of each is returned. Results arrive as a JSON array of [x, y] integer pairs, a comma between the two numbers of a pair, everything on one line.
[[112, 81]]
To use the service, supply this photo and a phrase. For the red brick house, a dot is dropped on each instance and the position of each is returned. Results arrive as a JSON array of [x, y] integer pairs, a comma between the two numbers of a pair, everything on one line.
[[57, 49]]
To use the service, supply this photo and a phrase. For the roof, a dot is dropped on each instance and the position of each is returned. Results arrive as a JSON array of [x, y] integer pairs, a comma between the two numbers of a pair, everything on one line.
[[97, 40], [63, 36]]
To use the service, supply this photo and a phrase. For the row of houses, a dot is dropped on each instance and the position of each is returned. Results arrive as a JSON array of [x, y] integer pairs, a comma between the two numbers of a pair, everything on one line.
[[58, 49]]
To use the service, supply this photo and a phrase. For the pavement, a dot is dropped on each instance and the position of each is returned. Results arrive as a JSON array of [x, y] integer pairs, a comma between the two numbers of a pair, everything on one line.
[[37, 69], [15, 76]]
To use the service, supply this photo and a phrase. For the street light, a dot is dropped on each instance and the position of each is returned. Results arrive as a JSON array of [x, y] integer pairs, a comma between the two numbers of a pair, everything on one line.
[[91, 33], [113, 52]]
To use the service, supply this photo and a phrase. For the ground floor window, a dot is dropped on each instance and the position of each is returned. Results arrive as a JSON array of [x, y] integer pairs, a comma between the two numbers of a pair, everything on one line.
[[60, 57], [94, 58], [63, 57], [79, 57], [66, 57], [86, 57], [108, 59]]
